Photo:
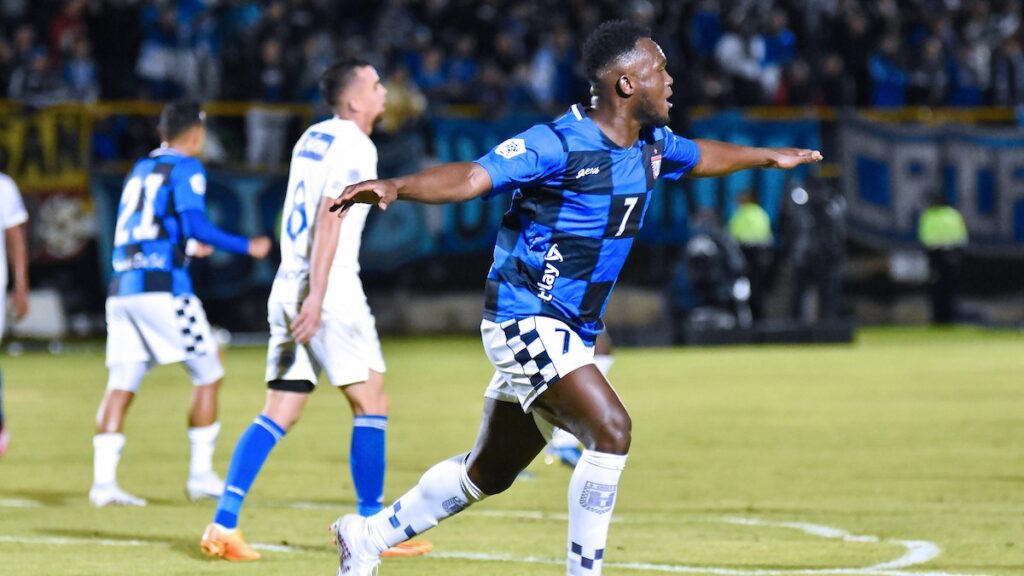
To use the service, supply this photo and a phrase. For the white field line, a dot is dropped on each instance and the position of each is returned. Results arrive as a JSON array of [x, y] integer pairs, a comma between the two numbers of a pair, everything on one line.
[[19, 503], [917, 551], [55, 541]]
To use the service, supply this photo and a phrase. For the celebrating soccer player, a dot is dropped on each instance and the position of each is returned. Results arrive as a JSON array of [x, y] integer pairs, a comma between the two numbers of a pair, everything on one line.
[[317, 311], [153, 316], [580, 188]]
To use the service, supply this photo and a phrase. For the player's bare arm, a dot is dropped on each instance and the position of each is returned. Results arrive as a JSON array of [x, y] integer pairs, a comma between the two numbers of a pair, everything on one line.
[[448, 183], [721, 158], [325, 244]]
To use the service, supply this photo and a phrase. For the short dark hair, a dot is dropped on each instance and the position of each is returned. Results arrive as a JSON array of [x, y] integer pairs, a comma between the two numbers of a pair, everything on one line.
[[337, 77], [177, 117], [609, 41]]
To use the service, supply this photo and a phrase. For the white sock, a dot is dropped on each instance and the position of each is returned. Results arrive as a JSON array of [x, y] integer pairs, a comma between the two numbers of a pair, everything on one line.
[[106, 454], [203, 440], [604, 363], [443, 491], [592, 492], [563, 439]]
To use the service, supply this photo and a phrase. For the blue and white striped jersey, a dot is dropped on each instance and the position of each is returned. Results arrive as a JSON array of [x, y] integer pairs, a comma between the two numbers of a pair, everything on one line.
[[149, 240], [578, 201]]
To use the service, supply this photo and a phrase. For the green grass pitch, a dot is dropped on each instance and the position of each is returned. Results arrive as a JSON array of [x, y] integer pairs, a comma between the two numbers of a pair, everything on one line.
[[903, 452]]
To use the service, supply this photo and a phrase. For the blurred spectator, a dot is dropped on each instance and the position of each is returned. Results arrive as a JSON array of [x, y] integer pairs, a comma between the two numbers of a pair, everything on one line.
[[80, 72], [779, 42], [35, 84], [266, 128], [7, 63], [942, 232], [795, 88], [706, 28], [429, 75], [740, 53], [405, 102], [888, 77], [25, 46], [66, 29], [929, 79], [317, 51], [836, 86], [157, 62], [1008, 74], [551, 72], [200, 63], [968, 83], [460, 70], [852, 39]]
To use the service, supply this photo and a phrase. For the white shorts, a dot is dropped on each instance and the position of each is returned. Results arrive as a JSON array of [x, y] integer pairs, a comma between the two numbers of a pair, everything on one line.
[[160, 328], [529, 355], [346, 348]]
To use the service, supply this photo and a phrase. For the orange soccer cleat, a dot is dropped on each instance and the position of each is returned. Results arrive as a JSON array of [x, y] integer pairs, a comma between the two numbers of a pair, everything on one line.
[[407, 549], [220, 543]]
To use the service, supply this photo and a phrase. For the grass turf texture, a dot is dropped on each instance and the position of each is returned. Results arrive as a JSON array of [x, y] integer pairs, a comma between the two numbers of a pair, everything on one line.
[[905, 435]]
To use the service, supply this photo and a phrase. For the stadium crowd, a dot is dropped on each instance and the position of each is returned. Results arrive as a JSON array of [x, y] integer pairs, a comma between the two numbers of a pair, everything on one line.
[[521, 56]]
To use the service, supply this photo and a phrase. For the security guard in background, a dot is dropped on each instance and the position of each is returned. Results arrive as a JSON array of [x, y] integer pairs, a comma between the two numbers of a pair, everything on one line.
[[752, 229], [942, 232]]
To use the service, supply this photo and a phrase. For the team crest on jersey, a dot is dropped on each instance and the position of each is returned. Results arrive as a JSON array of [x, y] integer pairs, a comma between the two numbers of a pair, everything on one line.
[[511, 148], [598, 498], [198, 183], [656, 165]]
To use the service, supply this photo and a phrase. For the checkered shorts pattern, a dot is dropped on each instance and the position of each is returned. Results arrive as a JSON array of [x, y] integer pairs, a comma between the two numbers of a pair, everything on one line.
[[529, 354], [186, 311], [522, 338]]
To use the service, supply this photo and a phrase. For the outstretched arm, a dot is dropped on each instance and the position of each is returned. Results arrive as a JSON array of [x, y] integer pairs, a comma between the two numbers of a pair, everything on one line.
[[197, 226], [447, 183], [721, 158]]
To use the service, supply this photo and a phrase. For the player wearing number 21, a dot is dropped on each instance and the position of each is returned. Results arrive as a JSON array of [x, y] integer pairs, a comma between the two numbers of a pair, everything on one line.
[[580, 187], [153, 316]]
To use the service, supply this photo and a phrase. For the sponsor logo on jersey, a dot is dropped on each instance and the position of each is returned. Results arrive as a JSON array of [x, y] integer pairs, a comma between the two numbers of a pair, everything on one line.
[[511, 148], [588, 172], [598, 498], [551, 273], [140, 261], [315, 145], [198, 184]]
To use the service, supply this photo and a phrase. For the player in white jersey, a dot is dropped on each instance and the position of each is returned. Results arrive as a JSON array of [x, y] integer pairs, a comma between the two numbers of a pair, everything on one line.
[[12, 244], [319, 318]]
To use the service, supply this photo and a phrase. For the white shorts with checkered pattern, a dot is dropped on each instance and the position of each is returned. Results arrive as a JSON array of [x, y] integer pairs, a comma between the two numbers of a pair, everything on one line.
[[160, 328], [530, 354]]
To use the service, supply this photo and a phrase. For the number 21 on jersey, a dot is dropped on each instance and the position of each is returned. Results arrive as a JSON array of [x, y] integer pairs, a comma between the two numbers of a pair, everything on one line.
[[139, 195]]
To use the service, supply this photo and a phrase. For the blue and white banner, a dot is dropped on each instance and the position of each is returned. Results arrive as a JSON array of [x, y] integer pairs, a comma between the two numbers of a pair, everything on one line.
[[890, 172]]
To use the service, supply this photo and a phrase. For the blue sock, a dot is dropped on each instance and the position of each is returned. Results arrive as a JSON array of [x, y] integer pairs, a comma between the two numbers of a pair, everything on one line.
[[366, 458], [250, 453]]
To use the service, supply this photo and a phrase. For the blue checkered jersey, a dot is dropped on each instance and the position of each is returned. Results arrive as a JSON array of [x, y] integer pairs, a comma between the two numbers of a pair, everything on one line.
[[578, 201], [149, 240]]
